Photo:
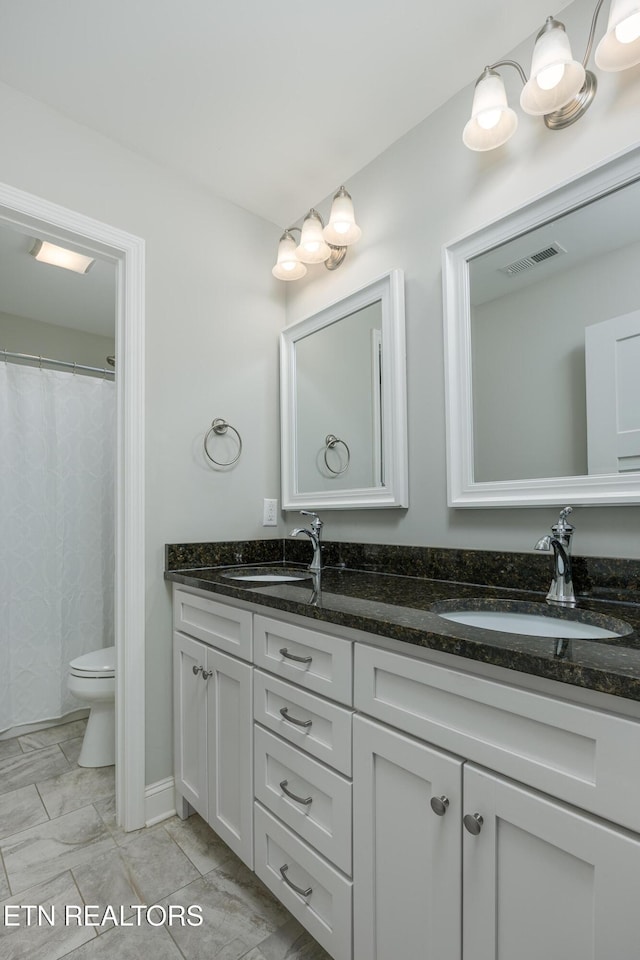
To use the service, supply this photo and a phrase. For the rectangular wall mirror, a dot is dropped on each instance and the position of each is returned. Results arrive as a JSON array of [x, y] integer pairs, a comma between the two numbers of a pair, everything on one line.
[[542, 339], [343, 402]]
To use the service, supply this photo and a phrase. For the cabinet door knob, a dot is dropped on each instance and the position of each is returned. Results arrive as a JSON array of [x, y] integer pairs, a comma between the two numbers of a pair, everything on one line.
[[197, 670], [298, 890], [206, 674], [473, 823], [284, 712], [305, 800], [291, 656], [439, 805]]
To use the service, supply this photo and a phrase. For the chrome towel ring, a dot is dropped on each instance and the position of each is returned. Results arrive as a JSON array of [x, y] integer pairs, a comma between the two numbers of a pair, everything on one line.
[[331, 441], [219, 427]]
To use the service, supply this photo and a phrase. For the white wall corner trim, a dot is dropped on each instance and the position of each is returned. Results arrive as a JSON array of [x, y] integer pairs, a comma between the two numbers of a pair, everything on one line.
[[47, 220], [159, 801]]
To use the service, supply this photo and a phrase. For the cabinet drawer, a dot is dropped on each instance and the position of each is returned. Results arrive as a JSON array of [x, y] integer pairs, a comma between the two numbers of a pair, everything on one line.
[[325, 664], [324, 820], [223, 627], [326, 733], [579, 754], [322, 903]]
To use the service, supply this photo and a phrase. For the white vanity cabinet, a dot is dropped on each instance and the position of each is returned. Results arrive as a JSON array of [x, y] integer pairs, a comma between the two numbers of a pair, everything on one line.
[[405, 809], [537, 876], [213, 729], [303, 765]]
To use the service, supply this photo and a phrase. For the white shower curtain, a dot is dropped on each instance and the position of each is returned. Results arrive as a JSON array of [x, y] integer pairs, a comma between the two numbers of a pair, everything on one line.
[[57, 456]]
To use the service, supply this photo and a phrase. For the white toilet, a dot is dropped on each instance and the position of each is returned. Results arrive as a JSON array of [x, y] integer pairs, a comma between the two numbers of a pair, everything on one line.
[[92, 679]]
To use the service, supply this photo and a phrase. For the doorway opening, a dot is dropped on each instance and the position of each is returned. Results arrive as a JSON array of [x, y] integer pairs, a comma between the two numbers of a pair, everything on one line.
[[39, 218]]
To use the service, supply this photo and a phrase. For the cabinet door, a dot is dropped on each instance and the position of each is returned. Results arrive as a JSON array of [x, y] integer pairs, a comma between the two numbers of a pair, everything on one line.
[[190, 722], [407, 859], [542, 879], [230, 751]]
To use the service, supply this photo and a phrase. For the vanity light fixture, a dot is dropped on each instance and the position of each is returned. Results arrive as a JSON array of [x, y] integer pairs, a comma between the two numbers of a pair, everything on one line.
[[560, 88], [56, 256], [318, 244]]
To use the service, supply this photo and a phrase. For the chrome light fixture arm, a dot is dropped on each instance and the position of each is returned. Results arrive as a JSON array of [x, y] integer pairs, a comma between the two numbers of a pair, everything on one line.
[[319, 243], [561, 88]]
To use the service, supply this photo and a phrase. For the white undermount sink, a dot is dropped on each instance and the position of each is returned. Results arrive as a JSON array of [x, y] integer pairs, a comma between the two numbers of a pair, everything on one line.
[[535, 624], [267, 576]]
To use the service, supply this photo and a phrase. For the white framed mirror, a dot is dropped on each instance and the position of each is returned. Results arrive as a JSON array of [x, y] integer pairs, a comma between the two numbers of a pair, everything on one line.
[[343, 402], [542, 349]]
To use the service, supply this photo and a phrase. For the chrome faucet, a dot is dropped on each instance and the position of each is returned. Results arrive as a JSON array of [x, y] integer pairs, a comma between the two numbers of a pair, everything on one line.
[[561, 590], [314, 535]]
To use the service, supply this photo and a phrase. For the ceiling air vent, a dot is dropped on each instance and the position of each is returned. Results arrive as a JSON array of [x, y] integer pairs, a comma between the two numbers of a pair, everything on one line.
[[519, 266]]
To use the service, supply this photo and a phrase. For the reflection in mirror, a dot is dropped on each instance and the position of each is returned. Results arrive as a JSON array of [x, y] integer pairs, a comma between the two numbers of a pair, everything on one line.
[[343, 396], [542, 328], [534, 301], [349, 412]]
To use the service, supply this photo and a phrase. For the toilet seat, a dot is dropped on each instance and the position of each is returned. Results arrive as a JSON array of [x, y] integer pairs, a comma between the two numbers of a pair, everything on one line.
[[98, 663]]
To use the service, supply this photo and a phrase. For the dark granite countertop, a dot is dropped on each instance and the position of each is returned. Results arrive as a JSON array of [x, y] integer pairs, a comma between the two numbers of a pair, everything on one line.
[[401, 607]]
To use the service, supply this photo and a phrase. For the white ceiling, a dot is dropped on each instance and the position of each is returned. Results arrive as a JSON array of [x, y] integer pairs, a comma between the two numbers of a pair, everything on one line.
[[271, 104], [40, 291]]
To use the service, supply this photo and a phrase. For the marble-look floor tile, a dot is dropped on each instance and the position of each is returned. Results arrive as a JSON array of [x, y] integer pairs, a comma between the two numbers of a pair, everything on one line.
[[289, 942], [76, 788], [19, 771], [71, 749], [156, 864], [20, 810], [9, 748], [238, 914], [131, 943], [109, 881], [204, 848], [4, 883], [107, 810], [42, 852], [51, 735], [37, 939]]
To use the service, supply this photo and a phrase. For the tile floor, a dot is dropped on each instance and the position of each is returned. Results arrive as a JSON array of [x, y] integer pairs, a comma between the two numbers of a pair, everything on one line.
[[60, 848]]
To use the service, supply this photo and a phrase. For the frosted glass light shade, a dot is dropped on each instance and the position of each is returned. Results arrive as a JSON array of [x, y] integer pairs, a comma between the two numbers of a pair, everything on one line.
[[312, 247], [492, 121], [556, 77], [47, 252], [620, 46], [288, 267], [342, 229]]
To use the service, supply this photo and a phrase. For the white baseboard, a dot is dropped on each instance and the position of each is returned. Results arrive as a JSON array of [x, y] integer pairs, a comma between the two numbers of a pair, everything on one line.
[[159, 801]]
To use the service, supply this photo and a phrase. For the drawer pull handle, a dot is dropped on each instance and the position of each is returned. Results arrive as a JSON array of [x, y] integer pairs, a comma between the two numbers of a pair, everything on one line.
[[473, 823], [305, 800], [439, 805], [298, 890], [291, 656], [284, 711], [197, 670]]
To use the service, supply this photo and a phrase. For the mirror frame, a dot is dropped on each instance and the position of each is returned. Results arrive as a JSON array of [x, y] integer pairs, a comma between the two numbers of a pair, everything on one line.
[[462, 490], [389, 290]]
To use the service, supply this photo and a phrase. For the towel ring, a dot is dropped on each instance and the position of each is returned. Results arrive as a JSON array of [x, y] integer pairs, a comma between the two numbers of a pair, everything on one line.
[[219, 427], [331, 442]]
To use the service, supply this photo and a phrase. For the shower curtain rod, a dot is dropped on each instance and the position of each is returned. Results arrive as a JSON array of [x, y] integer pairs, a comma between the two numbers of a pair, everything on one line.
[[29, 358]]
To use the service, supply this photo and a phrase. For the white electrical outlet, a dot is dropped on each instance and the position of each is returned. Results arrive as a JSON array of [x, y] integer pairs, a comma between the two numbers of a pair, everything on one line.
[[270, 513]]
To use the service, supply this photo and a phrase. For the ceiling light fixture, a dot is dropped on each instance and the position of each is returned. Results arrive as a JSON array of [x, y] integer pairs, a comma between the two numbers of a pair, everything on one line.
[[318, 244], [49, 253], [560, 89]]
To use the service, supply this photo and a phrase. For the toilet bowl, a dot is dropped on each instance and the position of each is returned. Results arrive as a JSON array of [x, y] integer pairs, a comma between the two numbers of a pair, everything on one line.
[[92, 679]]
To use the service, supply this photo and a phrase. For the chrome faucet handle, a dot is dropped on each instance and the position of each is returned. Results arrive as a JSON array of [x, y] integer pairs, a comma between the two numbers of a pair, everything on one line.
[[316, 522], [562, 528]]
